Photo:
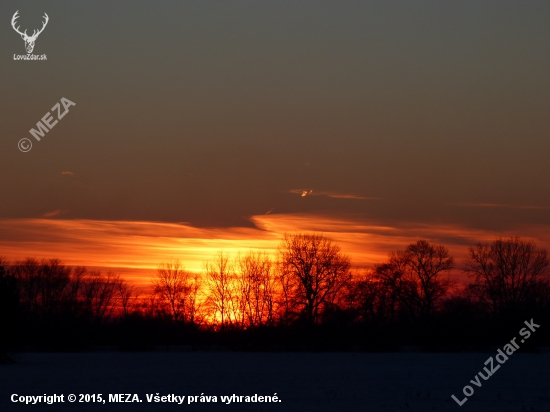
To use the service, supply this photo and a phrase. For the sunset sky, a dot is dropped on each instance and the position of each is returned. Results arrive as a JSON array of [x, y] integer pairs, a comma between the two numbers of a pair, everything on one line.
[[202, 126]]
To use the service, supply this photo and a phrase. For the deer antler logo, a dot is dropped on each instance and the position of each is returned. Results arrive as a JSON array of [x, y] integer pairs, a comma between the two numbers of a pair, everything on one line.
[[29, 40]]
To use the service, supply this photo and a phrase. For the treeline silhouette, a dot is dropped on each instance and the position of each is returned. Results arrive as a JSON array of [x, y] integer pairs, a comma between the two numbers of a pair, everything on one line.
[[308, 298]]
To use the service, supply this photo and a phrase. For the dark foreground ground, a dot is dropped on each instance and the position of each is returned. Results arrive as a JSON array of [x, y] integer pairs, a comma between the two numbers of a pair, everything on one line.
[[302, 381]]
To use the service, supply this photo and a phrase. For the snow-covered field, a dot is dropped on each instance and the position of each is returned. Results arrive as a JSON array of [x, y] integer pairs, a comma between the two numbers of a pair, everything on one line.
[[303, 381]]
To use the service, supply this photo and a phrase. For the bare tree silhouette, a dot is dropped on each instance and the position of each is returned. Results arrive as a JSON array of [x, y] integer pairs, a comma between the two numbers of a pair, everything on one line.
[[427, 263], [220, 281], [74, 292], [507, 273], [99, 294], [193, 303], [9, 313], [262, 303], [256, 288], [313, 272], [128, 296], [48, 289], [396, 295], [176, 289], [43, 285], [409, 284]]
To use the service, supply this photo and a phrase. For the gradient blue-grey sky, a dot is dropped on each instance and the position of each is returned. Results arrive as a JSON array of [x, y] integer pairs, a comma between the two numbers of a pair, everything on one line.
[[211, 112]]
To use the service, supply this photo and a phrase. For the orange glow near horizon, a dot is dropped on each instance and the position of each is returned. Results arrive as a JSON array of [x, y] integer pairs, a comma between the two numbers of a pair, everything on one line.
[[135, 248]]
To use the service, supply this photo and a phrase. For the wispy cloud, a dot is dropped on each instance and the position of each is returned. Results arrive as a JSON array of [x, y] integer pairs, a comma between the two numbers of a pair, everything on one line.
[[369, 242], [136, 245], [500, 205], [54, 213], [334, 195], [139, 246], [67, 173]]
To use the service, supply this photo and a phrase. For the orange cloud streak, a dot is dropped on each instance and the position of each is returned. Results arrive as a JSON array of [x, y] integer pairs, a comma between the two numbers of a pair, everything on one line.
[[334, 195], [135, 248]]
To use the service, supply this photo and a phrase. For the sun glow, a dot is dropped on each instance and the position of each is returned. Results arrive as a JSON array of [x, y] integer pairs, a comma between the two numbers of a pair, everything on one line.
[[135, 248]]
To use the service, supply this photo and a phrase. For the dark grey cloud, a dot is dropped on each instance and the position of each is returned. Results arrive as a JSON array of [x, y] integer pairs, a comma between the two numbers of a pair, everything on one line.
[[210, 112]]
